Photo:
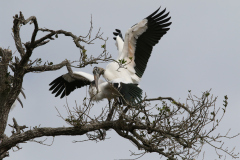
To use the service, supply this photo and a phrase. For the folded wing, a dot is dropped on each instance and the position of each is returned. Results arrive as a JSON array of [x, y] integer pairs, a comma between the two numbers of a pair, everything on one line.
[[130, 92]]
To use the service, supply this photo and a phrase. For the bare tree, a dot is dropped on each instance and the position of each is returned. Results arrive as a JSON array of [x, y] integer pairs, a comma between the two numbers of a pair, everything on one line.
[[173, 129]]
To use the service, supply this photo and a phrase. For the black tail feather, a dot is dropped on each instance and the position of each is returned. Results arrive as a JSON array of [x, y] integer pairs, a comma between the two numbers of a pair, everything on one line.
[[130, 92]]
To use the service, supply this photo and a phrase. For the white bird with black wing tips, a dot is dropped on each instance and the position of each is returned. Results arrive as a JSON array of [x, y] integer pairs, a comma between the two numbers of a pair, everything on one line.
[[135, 50], [65, 84], [137, 47]]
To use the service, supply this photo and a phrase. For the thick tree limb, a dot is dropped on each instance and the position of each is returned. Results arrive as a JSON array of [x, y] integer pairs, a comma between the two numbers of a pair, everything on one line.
[[6, 100], [118, 126], [168, 129], [76, 39], [44, 68], [16, 34], [40, 132], [5, 154]]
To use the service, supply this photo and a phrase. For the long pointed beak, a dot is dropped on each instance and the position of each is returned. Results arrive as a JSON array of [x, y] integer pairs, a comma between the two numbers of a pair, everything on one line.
[[96, 78]]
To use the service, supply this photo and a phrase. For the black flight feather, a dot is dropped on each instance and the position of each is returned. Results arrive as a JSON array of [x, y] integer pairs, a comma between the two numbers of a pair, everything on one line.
[[118, 33], [157, 24], [64, 86]]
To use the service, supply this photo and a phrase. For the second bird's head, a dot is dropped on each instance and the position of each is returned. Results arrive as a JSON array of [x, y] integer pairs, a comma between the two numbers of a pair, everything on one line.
[[97, 72]]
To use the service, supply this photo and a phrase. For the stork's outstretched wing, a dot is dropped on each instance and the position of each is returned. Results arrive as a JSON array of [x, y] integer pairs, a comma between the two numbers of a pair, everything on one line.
[[65, 84], [140, 39]]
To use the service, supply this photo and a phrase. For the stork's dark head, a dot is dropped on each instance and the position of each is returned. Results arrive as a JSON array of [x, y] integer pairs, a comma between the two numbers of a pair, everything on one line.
[[97, 72]]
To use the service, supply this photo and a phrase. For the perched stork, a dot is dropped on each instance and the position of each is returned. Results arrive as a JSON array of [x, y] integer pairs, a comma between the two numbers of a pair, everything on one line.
[[136, 49], [65, 84]]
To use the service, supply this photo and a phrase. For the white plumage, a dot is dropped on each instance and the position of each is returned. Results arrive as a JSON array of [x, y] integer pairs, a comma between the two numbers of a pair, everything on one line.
[[66, 83], [137, 47], [120, 77]]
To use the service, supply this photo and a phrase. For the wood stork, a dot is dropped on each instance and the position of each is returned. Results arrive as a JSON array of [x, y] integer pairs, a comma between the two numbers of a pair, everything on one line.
[[65, 84], [136, 49]]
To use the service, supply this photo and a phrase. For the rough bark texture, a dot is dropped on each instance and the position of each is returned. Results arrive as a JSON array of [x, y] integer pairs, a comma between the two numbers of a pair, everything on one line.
[[5, 88], [172, 129], [8, 143], [10, 86]]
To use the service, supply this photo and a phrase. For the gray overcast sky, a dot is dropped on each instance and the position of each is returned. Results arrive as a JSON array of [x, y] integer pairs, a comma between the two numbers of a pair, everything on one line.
[[201, 51]]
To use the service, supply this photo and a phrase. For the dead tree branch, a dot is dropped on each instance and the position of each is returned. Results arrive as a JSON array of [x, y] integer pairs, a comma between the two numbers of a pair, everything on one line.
[[172, 129]]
